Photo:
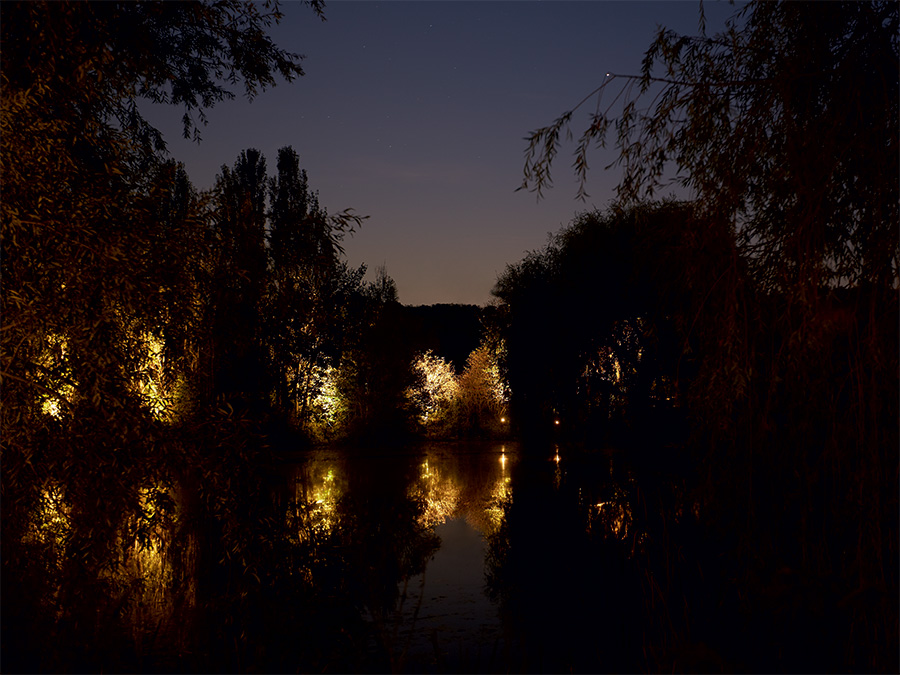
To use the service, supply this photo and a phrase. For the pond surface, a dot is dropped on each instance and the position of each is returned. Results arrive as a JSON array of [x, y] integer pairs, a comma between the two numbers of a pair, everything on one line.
[[486, 555], [438, 557], [442, 616]]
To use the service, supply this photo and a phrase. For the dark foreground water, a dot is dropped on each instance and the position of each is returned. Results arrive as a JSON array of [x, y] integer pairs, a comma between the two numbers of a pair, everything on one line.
[[456, 557], [503, 560], [438, 557]]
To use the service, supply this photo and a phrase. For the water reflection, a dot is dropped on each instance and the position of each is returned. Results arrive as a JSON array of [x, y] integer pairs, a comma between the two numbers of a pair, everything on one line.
[[408, 527], [471, 485], [378, 559], [439, 491], [319, 488]]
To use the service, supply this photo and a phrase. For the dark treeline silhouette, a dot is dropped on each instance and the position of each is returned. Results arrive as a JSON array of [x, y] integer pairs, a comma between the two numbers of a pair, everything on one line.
[[768, 468], [591, 347], [450, 331], [765, 311]]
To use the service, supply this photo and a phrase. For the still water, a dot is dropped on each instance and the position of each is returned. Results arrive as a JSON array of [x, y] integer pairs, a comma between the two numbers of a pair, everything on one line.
[[437, 557], [442, 616], [489, 557]]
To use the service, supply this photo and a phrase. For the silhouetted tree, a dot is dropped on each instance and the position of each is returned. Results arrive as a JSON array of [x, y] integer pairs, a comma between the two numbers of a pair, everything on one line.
[[583, 327], [239, 215], [784, 129]]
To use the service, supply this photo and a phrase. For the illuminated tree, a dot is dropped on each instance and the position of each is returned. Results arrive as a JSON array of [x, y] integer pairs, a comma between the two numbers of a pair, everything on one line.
[[434, 393], [309, 290], [483, 393]]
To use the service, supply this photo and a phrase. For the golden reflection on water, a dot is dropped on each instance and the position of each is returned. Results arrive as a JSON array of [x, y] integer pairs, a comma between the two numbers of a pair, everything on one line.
[[140, 573], [557, 472], [319, 489], [439, 489], [613, 515], [475, 488]]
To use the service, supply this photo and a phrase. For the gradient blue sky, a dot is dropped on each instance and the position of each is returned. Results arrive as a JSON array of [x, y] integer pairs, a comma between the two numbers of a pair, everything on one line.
[[413, 113]]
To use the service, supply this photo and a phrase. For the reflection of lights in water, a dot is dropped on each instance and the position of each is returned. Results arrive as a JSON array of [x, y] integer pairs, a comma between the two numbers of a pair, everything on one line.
[[501, 494], [318, 488], [324, 498], [557, 470], [141, 571], [440, 494], [614, 516]]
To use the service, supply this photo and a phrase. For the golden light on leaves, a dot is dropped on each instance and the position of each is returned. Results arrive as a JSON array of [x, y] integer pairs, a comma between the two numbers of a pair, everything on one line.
[[444, 401], [435, 392], [50, 524], [327, 408], [53, 363], [150, 382]]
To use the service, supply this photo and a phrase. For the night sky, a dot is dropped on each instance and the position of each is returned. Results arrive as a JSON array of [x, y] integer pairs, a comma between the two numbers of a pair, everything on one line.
[[414, 114]]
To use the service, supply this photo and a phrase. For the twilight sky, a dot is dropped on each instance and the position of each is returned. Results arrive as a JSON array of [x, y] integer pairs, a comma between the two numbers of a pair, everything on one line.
[[414, 112]]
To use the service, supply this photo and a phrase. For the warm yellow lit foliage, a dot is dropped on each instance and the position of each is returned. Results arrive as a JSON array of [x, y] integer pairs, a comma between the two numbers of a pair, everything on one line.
[[50, 522], [435, 391], [483, 393], [150, 377], [323, 406], [54, 367], [475, 400]]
